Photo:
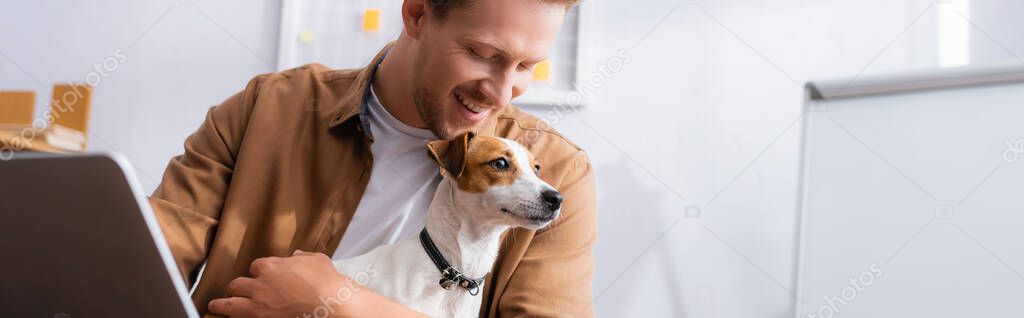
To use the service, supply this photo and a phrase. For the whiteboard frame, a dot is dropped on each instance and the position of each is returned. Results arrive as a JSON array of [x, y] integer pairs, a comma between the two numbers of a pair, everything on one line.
[[817, 91], [534, 97], [914, 81], [286, 32], [553, 97]]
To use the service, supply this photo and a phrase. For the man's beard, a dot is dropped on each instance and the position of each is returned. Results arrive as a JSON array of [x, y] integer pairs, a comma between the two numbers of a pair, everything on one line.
[[430, 110], [430, 106]]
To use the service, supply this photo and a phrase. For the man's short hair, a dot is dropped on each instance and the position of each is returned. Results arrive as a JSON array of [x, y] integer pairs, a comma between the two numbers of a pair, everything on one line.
[[442, 7]]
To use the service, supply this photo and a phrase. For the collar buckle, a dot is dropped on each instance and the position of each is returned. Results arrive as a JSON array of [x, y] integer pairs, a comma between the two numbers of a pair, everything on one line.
[[449, 275]]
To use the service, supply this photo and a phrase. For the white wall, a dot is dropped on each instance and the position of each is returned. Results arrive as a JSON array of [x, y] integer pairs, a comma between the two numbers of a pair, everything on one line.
[[703, 115], [179, 58], [997, 33]]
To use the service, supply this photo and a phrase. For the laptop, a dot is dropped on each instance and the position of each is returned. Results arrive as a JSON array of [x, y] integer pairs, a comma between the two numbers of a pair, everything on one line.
[[79, 239]]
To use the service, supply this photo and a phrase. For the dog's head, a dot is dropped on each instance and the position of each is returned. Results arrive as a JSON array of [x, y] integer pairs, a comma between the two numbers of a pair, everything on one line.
[[496, 180]]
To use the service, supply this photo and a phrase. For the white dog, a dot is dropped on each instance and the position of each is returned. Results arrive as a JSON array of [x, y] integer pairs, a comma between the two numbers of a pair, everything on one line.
[[490, 185]]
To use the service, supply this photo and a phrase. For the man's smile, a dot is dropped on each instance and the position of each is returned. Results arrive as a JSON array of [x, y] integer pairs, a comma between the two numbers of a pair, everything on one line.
[[471, 111]]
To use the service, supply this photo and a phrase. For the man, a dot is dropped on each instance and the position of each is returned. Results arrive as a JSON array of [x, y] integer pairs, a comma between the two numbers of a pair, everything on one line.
[[333, 162]]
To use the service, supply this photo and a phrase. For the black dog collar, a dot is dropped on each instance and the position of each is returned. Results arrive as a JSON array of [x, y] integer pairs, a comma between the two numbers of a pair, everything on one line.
[[449, 275]]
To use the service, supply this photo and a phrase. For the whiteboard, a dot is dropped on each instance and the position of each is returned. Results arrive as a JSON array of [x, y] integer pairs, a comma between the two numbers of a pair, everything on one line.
[[332, 33], [912, 201]]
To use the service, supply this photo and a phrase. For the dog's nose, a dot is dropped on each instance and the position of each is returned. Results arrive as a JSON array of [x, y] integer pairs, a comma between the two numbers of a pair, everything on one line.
[[552, 198]]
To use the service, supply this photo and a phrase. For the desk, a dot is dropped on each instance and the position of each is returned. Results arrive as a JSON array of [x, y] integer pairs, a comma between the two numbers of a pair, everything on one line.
[[11, 141]]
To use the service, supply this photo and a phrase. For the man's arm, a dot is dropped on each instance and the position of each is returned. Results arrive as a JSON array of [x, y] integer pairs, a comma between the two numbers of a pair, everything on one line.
[[303, 285], [553, 279], [189, 199]]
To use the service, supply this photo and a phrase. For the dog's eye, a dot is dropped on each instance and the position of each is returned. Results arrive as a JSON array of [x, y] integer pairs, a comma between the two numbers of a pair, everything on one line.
[[536, 168], [499, 164]]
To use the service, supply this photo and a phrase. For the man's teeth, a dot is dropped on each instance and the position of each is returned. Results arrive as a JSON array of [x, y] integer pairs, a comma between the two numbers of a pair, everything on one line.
[[472, 107]]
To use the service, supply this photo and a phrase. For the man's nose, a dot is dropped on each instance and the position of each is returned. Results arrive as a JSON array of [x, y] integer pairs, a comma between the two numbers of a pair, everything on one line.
[[501, 88]]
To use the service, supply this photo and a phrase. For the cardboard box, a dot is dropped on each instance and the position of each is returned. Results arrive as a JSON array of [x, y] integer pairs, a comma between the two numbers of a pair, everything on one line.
[[17, 108]]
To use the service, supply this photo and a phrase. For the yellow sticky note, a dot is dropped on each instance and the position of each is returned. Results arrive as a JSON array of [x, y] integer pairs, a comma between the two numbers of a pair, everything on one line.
[[371, 20], [306, 36], [542, 71]]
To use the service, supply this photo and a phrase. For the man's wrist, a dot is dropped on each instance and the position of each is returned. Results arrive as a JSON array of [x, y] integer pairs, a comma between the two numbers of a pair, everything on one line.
[[366, 303]]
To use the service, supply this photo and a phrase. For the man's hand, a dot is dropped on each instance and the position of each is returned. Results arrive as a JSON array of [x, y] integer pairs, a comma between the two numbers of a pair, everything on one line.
[[303, 285]]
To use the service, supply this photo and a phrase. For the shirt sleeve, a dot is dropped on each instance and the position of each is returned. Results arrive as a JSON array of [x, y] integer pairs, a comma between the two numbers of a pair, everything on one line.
[[189, 199], [553, 278]]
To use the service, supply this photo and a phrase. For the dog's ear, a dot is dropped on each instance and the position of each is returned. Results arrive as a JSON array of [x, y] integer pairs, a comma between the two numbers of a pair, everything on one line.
[[450, 155]]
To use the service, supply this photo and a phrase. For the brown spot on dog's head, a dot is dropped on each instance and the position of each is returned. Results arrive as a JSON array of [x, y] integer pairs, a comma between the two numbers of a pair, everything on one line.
[[476, 163]]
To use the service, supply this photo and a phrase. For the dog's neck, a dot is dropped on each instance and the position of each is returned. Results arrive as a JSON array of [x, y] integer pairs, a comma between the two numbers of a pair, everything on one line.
[[471, 246]]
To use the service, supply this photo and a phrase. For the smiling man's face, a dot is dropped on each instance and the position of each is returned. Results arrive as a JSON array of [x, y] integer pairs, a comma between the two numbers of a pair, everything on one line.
[[476, 58]]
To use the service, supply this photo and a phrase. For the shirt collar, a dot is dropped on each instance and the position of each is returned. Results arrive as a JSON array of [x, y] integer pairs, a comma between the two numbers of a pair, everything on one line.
[[353, 101]]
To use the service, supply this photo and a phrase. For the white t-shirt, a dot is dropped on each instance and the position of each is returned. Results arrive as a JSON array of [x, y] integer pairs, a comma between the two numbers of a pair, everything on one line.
[[401, 186]]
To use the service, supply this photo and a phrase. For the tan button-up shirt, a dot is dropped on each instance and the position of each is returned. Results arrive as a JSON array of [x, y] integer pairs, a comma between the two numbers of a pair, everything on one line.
[[283, 164]]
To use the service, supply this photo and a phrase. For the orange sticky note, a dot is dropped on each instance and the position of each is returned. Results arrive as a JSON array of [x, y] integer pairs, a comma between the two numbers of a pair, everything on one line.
[[542, 71], [371, 20]]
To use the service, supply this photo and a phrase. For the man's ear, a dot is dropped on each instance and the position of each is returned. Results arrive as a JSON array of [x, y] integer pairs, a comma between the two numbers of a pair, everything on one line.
[[414, 13], [450, 155]]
